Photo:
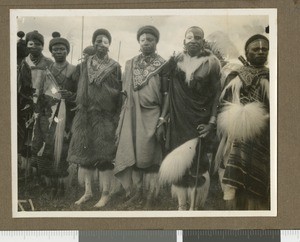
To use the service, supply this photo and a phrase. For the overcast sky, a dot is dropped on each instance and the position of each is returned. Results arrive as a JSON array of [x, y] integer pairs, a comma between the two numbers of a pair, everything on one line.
[[230, 30]]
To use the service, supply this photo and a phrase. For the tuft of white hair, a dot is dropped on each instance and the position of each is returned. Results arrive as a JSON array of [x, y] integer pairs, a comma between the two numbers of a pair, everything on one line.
[[235, 85], [226, 70], [84, 173], [177, 162], [242, 122], [107, 178], [151, 183]]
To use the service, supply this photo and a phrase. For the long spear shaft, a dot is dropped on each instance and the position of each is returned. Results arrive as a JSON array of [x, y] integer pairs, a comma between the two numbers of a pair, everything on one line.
[[72, 54], [119, 51], [82, 32], [81, 57], [197, 171]]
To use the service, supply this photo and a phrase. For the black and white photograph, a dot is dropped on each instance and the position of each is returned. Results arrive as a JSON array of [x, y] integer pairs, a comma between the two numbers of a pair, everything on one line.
[[144, 112]]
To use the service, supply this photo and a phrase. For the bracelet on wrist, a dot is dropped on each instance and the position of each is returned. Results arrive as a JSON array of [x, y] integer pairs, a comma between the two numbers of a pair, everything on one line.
[[213, 120], [162, 119]]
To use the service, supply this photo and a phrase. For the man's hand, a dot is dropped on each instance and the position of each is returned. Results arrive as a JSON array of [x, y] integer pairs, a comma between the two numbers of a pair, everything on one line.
[[161, 133], [160, 130], [65, 94], [204, 129]]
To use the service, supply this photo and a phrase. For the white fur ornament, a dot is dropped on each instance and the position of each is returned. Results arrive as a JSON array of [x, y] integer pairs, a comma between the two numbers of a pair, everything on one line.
[[242, 122], [177, 162]]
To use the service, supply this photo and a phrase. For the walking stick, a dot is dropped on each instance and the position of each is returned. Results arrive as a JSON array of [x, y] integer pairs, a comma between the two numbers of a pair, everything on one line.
[[27, 160], [197, 171], [119, 51], [82, 33]]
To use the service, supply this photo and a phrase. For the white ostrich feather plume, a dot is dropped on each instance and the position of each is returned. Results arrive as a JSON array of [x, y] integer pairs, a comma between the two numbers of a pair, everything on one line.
[[242, 122], [177, 162], [190, 64]]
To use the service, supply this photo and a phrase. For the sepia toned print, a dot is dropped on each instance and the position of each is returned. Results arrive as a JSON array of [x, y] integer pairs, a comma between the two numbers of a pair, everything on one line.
[[125, 113]]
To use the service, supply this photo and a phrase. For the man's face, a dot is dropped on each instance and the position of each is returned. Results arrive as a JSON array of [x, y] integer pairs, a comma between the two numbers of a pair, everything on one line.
[[59, 52], [147, 43], [194, 41], [34, 47], [101, 44], [257, 52]]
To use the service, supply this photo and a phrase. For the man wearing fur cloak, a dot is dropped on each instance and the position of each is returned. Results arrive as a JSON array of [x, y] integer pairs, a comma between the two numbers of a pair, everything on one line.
[[193, 97], [98, 102], [244, 150]]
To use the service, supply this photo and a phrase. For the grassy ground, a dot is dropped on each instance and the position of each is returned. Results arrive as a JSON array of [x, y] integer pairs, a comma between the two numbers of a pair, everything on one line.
[[43, 201]]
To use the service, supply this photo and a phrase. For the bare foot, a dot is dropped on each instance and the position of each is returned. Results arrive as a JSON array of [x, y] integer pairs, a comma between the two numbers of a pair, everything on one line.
[[150, 201], [102, 202], [182, 207], [135, 198], [230, 204], [84, 198]]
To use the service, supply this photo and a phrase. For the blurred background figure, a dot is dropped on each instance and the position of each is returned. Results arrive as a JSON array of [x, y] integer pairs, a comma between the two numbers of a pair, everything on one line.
[[31, 70], [22, 52]]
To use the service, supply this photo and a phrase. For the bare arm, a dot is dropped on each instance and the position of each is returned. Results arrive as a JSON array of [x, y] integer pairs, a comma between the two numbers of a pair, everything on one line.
[[215, 76]]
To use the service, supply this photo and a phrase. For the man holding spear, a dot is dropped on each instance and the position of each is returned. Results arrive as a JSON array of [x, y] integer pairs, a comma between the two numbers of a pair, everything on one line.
[[193, 99]]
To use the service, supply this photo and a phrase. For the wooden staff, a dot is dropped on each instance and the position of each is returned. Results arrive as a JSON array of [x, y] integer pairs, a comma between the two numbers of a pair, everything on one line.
[[82, 33], [197, 171], [119, 51]]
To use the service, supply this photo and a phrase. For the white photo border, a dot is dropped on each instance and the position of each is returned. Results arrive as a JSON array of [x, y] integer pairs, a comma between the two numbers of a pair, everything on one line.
[[270, 12]]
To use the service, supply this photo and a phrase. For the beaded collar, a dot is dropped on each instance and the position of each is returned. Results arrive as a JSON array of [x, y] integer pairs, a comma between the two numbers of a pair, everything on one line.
[[248, 74], [99, 68], [144, 67]]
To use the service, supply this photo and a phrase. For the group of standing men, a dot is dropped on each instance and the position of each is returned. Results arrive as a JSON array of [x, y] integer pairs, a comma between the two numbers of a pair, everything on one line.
[[124, 125]]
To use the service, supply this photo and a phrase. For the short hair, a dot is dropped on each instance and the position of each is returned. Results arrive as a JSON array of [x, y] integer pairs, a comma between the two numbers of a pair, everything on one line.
[[101, 32], [253, 38]]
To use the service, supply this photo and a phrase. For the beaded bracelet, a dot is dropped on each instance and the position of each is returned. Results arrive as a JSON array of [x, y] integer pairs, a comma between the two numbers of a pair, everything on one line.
[[162, 119], [213, 120]]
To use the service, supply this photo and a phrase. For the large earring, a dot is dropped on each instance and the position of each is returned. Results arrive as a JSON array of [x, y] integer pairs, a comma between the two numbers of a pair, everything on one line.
[[204, 44]]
